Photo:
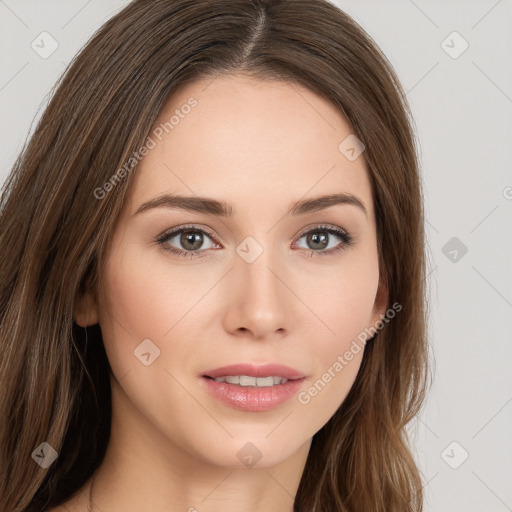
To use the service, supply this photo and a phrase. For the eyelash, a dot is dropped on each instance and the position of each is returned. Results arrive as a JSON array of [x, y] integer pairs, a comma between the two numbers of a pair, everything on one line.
[[346, 240]]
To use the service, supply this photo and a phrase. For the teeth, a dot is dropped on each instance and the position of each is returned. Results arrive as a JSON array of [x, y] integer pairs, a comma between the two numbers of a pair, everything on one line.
[[245, 380], [264, 381], [248, 381]]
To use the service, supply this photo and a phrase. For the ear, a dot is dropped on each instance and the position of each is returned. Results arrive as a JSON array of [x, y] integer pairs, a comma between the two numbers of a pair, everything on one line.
[[381, 301], [86, 309]]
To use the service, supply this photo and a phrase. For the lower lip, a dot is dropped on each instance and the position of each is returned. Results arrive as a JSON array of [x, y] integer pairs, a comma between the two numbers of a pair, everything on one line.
[[252, 398]]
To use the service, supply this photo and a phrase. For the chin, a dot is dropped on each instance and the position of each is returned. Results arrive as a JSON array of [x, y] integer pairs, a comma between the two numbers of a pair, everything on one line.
[[249, 452]]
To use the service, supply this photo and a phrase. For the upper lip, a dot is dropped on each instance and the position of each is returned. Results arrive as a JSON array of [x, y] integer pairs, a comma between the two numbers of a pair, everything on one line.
[[251, 370]]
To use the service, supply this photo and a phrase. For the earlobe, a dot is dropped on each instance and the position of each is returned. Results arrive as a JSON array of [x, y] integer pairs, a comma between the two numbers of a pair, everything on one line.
[[381, 301], [86, 310]]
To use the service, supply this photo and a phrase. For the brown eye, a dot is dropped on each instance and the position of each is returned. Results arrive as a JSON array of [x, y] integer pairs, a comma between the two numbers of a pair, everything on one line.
[[186, 241], [317, 240], [191, 240], [326, 240]]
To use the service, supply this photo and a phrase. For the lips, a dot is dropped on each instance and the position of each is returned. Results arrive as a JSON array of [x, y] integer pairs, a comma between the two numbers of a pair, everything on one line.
[[246, 380], [221, 383], [250, 370]]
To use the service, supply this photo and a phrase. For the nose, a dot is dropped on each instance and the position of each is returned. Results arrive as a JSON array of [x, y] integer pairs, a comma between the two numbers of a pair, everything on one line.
[[259, 301]]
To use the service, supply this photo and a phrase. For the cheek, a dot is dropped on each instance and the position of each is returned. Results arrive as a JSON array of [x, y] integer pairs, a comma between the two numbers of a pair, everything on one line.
[[345, 310], [349, 309], [144, 297], [141, 290], [343, 298]]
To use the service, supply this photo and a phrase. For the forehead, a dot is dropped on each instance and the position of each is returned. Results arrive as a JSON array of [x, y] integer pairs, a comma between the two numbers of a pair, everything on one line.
[[238, 138]]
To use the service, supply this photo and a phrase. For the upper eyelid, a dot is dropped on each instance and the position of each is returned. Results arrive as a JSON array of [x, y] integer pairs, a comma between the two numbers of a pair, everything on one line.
[[322, 226], [175, 231]]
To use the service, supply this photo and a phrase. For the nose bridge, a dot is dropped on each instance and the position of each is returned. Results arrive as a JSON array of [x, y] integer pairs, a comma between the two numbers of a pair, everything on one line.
[[259, 276], [258, 301]]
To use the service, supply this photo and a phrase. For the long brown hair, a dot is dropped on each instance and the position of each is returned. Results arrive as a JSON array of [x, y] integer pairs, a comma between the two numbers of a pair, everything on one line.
[[55, 233]]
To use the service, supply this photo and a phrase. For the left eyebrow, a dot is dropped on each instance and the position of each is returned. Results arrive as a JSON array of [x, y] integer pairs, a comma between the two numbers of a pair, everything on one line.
[[221, 208], [321, 202]]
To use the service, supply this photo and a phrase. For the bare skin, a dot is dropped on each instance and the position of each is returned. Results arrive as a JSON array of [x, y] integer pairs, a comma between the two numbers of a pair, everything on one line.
[[259, 147]]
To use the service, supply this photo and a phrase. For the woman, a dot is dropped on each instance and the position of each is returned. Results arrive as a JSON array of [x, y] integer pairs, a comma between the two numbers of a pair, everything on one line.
[[276, 365]]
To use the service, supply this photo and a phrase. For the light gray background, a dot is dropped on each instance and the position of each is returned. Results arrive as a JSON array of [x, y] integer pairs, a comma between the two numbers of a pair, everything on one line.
[[463, 112]]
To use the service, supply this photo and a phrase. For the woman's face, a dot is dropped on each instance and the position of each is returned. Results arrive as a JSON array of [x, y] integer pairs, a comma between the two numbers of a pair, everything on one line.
[[265, 284]]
